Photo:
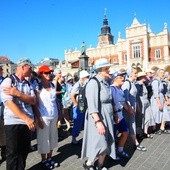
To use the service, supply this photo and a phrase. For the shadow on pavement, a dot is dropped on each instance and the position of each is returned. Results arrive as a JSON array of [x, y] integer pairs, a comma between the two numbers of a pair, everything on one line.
[[64, 152], [67, 151], [109, 162]]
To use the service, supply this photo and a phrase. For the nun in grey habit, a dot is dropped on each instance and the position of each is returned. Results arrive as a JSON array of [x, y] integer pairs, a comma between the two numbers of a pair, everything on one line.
[[98, 139]]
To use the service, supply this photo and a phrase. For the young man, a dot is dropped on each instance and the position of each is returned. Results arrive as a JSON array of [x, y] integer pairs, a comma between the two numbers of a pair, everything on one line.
[[18, 96]]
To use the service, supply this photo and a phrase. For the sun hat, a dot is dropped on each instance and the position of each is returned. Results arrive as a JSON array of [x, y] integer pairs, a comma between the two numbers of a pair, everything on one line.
[[118, 73], [102, 62], [44, 69], [69, 78], [141, 74], [24, 61], [149, 71], [83, 74]]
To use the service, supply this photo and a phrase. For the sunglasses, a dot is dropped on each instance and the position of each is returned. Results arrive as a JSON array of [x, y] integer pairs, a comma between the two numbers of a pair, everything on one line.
[[47, 73]]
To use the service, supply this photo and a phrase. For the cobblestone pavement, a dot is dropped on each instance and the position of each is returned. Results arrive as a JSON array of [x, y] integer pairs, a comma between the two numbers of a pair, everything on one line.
[[157, 156]]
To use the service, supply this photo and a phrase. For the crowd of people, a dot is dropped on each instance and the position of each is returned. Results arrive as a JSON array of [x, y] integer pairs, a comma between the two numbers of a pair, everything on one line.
[[110, 105]]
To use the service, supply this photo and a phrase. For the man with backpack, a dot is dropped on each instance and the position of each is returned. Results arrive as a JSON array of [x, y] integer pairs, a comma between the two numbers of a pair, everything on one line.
[[18, 97], [78, 104]]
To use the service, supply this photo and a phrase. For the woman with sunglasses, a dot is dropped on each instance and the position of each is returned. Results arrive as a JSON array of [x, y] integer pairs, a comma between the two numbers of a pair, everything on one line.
[[47, 135]]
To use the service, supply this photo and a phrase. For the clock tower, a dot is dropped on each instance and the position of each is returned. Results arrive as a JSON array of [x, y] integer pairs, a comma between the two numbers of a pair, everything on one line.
[[105, 38]]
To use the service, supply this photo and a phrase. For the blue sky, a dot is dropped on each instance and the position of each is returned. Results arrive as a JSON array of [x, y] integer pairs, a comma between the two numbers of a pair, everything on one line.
[[45, 28]]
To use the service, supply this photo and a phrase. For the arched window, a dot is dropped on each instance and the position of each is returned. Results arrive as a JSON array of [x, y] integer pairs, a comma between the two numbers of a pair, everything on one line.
[[157, 54], [136, 49]]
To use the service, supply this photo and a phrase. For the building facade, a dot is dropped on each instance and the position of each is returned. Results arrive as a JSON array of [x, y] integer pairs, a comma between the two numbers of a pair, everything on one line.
[[7, 65], [141, 48]]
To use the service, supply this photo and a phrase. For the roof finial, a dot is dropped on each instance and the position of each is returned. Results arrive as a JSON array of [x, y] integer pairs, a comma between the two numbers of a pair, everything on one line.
[[105, 12]]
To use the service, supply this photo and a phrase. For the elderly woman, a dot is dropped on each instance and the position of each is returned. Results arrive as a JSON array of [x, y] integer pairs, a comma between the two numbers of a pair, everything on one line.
[[47, 135], [146, 117], [130, 92], [158, 101], [98, 140]]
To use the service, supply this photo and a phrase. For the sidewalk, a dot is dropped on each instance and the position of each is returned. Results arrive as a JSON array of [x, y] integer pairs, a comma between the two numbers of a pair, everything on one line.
[[156, 157]]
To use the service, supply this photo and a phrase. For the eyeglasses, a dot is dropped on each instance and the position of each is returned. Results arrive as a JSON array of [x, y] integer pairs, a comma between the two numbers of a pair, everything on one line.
[[47, 73]]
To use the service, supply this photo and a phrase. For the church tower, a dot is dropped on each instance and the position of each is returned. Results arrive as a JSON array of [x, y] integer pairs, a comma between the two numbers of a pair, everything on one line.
[[105, 38]]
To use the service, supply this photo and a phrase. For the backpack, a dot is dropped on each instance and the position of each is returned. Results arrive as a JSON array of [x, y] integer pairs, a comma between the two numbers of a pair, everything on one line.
[[82, 100], [140, 89], [36, 83], [149, 89], [130, 85]]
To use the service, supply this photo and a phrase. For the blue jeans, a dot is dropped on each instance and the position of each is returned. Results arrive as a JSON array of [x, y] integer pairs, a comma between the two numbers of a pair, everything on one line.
[[78, 118]]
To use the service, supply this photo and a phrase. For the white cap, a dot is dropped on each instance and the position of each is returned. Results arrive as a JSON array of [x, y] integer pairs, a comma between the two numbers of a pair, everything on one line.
[[83, 74]]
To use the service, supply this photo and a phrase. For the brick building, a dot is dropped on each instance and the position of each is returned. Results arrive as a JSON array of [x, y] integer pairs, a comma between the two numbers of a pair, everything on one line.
[[141, 47], [7, 65]]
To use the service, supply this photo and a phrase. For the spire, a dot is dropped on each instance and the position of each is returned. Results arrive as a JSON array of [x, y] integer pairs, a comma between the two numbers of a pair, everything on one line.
[[105, 28], [165, 25], [105, 12], [135, 21]]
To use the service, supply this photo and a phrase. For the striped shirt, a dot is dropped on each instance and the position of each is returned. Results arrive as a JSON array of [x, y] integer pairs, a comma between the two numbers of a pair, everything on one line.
[[24, 87]]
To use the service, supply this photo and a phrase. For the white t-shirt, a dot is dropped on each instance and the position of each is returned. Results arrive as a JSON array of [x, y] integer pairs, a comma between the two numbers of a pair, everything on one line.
[[47, 103]]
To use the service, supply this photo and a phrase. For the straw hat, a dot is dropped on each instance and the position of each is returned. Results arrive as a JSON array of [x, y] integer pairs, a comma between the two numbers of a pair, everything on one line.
[[141, 74]]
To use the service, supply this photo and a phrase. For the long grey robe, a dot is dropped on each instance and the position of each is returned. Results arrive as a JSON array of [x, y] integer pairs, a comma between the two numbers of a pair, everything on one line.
[[93, 143]]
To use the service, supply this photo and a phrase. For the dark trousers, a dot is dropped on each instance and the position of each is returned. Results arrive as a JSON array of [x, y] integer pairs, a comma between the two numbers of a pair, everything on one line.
[[17, 146]]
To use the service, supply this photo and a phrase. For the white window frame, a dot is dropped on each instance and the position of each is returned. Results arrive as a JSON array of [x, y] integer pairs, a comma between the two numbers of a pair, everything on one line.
[[136, 51], [157, 54]]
